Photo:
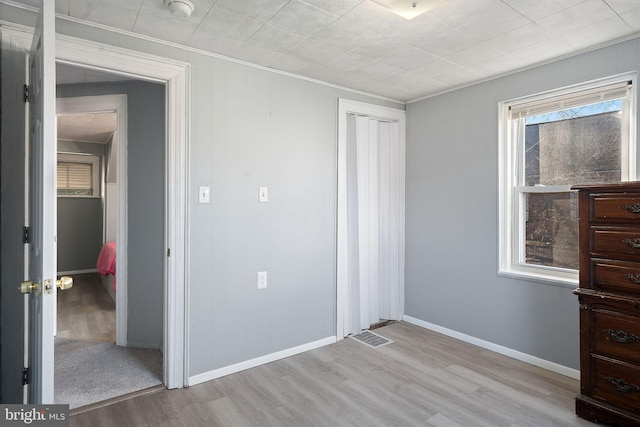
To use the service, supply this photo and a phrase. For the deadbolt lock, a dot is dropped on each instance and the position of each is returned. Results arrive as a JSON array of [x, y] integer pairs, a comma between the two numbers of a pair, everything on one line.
[[28, 287]]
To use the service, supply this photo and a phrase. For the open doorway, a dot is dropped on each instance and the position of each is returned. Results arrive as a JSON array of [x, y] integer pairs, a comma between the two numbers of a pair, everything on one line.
[[99, 353]]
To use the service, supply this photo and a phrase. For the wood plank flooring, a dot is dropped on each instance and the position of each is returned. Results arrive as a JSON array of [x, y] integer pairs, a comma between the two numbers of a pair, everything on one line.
[[422, 379], [86, 311]]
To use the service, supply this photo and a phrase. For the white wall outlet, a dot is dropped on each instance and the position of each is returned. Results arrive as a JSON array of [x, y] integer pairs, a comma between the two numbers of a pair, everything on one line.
[[203, 194], [262, 280], [264, 195]]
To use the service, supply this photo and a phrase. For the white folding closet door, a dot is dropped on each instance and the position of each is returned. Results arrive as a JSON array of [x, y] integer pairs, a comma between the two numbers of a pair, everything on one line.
[[372, 211]]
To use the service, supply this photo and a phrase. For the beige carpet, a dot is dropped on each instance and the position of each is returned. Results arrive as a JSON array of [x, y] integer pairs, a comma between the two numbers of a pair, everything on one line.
[[87, 372]]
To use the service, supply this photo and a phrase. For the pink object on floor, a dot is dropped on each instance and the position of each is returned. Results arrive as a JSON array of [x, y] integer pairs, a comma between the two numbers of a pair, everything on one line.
[[107, 261]]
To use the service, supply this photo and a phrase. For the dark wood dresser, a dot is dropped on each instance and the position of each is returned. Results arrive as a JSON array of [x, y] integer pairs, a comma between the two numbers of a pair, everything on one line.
[[609, 296]]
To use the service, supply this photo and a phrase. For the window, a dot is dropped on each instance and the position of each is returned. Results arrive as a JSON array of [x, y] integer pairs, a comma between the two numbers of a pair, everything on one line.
[[549, 142], [77, 175]]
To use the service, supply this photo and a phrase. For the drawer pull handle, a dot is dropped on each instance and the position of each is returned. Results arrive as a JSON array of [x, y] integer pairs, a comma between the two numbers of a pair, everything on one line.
[[633, 278], [622, 386], [622, 336], [634, 208], [632, 243]]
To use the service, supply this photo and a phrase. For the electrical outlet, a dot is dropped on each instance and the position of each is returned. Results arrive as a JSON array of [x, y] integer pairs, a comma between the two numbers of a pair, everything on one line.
[[262, 280]]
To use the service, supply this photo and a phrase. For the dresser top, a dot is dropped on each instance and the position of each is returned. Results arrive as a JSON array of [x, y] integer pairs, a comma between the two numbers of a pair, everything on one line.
[[616, 186]]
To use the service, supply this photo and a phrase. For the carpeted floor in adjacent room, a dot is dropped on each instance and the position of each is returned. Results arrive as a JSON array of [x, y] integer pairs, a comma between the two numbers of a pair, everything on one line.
[[87, 372]]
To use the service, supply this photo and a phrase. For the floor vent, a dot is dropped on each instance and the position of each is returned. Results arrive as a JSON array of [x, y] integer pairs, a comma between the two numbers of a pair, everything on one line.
[[371, 339]]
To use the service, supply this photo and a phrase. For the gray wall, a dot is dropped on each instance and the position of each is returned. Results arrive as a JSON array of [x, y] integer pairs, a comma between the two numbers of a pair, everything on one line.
[[145, 204], [80, 227], [79, 233], [452, 211], [252, 128]]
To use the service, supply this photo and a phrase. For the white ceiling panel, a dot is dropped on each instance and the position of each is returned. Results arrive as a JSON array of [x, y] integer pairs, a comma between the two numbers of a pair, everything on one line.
[[272, 38], [229, 25], [632, 19], [300, 18], [610, 28], [623, 6], [336, 7], [361, 45], [95, 128], [586, 14], [409, 58], [260, 10], [114, 13], [539, 9]]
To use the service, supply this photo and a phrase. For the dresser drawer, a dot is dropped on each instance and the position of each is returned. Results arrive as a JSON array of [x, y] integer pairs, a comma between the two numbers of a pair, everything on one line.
[[616, 383], [616, 335], [615, 241], [617, 207], [615, 276]]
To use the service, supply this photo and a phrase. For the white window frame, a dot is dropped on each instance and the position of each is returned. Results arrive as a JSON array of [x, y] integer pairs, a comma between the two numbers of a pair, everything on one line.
[[83, 158], [511, 180]]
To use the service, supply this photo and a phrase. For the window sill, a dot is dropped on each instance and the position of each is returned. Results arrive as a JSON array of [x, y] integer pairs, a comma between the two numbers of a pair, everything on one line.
[[66, 196], [567, 279]]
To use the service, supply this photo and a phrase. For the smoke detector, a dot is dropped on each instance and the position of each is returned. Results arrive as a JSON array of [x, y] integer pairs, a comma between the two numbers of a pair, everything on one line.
[[180, 8]]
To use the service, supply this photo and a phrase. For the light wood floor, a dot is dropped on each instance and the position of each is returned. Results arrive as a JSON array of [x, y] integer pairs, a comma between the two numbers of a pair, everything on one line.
[[422, 379], [86, 311]]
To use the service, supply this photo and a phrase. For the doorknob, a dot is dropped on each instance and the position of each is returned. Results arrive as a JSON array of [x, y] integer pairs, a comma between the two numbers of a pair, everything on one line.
[[64, 283], [28, 287]]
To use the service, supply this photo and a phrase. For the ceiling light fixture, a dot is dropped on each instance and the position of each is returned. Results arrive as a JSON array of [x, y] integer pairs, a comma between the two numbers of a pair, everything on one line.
[[180, 8], [408, 9]]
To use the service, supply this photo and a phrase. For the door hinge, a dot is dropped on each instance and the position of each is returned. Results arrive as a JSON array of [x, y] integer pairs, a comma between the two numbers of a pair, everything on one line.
[[26, 234], [26, 376], [25, 93], [168, 252]]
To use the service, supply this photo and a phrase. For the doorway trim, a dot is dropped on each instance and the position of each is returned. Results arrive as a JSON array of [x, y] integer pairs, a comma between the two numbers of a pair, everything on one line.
[[176, 76], [117, 104], [345, 107]]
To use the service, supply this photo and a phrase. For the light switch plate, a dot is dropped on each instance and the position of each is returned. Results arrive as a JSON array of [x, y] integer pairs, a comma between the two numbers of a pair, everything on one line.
[[264, 195], [262, 280], [203, 194]]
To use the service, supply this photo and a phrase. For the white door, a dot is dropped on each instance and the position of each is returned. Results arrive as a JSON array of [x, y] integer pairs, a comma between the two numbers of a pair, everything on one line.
[[42, 205], [370, 238]]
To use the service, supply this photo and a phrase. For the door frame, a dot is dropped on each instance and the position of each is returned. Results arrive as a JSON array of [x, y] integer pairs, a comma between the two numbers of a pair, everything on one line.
[[176, 76], [117, 104], [345, 107]]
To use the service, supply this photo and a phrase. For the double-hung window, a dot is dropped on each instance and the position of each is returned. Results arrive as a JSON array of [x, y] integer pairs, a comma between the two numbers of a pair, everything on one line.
[[78, 175], [549, 142]]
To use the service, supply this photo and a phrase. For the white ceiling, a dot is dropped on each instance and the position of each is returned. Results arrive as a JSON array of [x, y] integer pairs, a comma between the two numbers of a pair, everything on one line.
[[95, 128], [361, 45]]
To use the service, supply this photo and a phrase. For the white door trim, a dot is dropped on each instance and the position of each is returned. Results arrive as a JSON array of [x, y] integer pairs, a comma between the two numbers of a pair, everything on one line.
[[346, 106], [117, 104], [175, 75]]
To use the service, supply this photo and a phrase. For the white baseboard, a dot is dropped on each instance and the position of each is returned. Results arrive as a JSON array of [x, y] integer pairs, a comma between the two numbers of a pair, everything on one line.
[[232, 369], [536, 361], [68, 273]]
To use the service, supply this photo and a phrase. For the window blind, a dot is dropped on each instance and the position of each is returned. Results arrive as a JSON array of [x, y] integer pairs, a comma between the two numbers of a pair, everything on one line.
[[75, 178], [581, 98]]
